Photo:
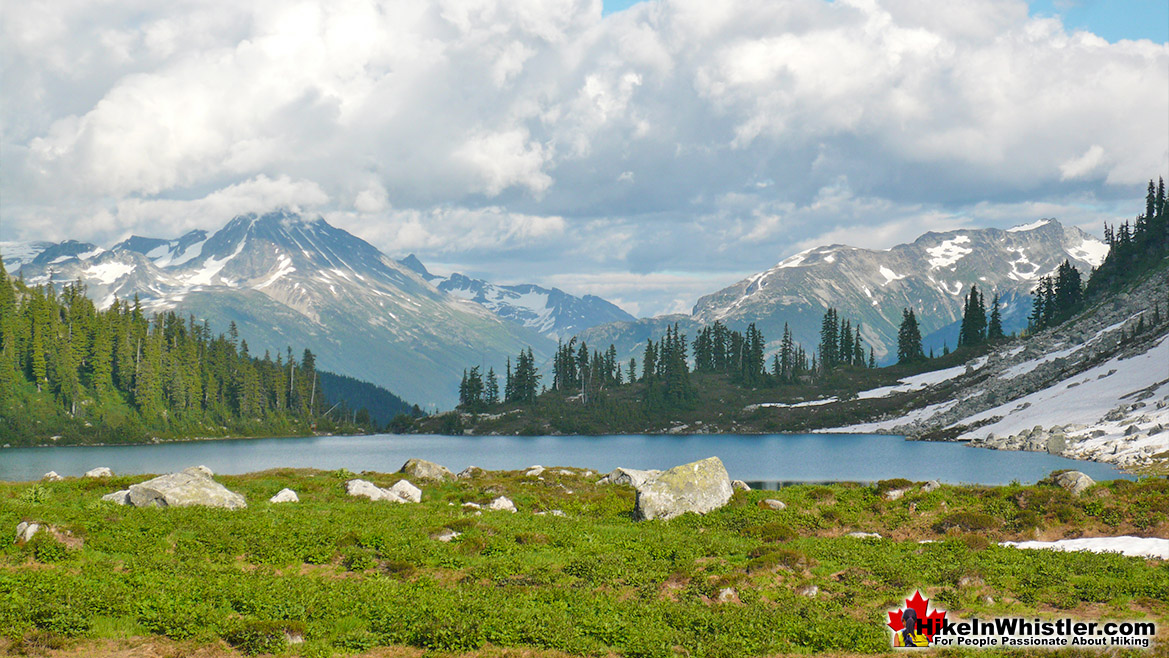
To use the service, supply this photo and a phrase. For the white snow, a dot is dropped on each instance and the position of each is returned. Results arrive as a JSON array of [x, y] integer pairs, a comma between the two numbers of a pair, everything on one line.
[[90, 254], [795, 260], [1126, 545], [917, 381], [192, 252], [284, 267], [1031, 271], [107, 273], [785, 405], [890, 275], [1028, 227], [1084, 400], [211, 267], [1090, 251], [17, 253], [948, 253]]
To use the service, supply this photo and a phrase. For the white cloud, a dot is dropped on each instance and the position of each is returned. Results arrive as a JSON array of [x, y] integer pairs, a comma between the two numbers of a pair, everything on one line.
[[676, 135]]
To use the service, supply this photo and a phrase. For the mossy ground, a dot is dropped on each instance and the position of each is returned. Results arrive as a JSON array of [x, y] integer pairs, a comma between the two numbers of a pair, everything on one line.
[[353, 576]]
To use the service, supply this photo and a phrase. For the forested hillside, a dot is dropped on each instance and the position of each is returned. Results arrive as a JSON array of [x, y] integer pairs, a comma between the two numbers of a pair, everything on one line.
[[72, 374]]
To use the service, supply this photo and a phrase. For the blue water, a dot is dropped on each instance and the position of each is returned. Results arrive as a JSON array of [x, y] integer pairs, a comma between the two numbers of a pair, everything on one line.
[[767, 458]]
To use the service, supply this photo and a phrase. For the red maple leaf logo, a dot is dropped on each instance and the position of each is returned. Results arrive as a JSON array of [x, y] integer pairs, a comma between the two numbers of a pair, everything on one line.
[[930, 622]]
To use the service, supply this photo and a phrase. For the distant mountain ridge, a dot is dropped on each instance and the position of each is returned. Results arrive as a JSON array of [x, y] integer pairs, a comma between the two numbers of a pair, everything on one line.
[[550, 311], [930, 275]]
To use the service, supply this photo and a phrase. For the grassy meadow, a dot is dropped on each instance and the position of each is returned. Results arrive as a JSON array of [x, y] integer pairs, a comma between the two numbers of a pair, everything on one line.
[[335, 575]]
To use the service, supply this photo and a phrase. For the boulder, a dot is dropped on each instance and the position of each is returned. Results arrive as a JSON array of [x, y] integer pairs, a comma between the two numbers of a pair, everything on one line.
[[1074, 481], [25, 531], [51, 476], [629, 476], [401, 492], [771, 503], [534, 471], [184, 489], [285, 496], [120, 497], [471, 472], [697, 487], [932, 485], [739, 485], [406, 492], [99, 472], [503, 503], [424, 470]]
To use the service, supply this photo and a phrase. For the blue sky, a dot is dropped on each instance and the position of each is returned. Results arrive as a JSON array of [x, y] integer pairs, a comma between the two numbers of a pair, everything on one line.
[[1111, 19]]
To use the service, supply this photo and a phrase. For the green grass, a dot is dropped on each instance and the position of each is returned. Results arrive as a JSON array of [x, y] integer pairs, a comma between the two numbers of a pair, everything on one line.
[[349, 575]]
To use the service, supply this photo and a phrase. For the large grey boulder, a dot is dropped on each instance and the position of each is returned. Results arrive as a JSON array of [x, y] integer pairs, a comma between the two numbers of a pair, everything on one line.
[[697, 487], [401, 492], [184, 489], [285, 496], [120, 497], [629, 476], [99, 472], [424, 470], [1074, 481]]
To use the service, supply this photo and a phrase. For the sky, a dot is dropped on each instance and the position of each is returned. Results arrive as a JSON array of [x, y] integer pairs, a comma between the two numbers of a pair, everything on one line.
[[647, 152]]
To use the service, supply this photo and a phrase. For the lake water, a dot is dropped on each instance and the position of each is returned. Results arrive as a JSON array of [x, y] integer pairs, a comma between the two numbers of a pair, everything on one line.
[[772, 458]]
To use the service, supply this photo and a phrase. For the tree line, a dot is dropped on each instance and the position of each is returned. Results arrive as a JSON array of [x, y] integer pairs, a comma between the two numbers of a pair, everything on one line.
[[119, 374]]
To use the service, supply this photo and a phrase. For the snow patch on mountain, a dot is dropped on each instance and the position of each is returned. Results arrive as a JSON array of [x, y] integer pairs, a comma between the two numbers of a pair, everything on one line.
[[949, 252], [1030, 227], [109, 272]]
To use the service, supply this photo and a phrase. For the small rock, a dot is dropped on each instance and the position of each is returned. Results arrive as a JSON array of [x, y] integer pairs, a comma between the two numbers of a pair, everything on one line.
[[772, 504], [563, 471], [51, 476], [970, 581], [25, 531], [1074, 481], [199, 470], [534, 471], [988, 600], [808, 590], [472, 506], [446, 535], [739, 485], [728, 595], [502, 503], [120, 497], [471, 472], [1131, 430], [285, 496], [424, 470], [864, 535], [629, 476], [932, 485], [895, 494], [99, 472], [405, 492], [557, 512]]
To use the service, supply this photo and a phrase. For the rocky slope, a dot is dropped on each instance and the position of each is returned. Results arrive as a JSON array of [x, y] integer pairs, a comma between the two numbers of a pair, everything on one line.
[[1087, 389]]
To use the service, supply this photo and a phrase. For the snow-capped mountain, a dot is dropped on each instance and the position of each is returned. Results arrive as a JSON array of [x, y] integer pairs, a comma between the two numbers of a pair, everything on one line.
[[549, 311], [930, 275], [286, 280]]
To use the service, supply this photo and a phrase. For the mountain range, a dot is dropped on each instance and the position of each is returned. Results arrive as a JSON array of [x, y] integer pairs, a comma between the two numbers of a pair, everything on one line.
[[931, 275], [286, 279]]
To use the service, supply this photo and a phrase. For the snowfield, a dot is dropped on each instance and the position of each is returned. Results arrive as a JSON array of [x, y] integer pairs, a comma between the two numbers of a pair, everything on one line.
[[1154, 547]]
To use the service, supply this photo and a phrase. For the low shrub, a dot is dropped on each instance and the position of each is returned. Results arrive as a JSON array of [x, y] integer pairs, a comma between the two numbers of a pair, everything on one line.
[[968, 521]]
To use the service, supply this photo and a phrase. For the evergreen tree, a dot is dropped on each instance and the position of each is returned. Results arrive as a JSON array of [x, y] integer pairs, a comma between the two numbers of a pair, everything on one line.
[[994, 328], [909, 338]]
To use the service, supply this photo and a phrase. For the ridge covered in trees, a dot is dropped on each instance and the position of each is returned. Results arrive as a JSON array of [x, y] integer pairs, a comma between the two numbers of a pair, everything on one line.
[[74, 374]]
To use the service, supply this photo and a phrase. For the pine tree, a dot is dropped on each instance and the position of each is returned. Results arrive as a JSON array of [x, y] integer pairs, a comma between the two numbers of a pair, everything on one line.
[[994, 328], [909, 338]]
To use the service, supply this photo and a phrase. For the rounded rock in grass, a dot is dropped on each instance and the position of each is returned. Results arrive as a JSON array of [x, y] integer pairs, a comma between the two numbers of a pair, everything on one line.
[[401, 492], [424, 470], [772, 504], [1074, 481], [502, 503], [26, 531], [51, 476], [285, 496], [120, 497], [99, 472], [471, 472], [630, 476], [184, 490], [739, 485]]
